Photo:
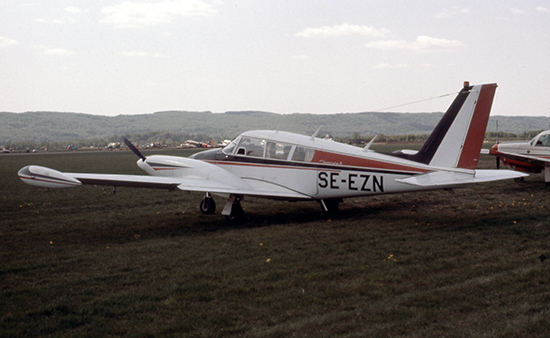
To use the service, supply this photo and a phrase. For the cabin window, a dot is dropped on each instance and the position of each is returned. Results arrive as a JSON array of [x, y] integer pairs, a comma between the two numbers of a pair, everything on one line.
[[302, 154], [256, 147], [277, 150], [544, 141], [252, 147]]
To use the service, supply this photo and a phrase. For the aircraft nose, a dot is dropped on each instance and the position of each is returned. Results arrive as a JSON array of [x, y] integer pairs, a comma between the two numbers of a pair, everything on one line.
[[495, 147]]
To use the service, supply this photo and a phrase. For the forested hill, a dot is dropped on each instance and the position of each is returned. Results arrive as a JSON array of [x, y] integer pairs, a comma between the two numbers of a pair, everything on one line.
[[67, 127]]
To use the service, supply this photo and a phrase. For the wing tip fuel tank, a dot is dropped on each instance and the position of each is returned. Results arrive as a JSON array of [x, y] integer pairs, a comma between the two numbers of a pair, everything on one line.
[[46, 178]]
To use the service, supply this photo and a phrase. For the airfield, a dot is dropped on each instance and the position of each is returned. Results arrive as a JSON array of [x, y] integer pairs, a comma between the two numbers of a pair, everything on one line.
[[146, 263]]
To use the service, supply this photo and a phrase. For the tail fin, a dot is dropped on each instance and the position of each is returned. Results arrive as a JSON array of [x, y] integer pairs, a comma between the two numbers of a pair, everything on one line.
[[457, 139]]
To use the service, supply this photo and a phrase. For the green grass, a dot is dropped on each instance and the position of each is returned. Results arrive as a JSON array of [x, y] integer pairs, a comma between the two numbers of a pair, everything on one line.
[[146, 263]]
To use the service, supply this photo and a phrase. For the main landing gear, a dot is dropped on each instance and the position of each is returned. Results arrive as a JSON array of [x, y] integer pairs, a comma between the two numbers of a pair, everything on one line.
[[236, 214], [331, 205], [233, 211]]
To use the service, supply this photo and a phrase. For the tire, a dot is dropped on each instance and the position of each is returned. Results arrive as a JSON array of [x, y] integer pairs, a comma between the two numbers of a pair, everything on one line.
[[207, 206], [237, 213]]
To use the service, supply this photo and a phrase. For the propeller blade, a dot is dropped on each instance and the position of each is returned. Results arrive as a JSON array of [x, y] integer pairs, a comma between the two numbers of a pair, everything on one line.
[[133, 148]]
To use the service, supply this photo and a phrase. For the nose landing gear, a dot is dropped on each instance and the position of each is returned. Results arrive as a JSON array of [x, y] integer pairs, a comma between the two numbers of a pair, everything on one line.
[[207, 205]]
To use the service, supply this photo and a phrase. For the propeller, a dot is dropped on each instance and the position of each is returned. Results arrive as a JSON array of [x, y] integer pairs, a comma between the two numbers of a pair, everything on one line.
[[133, 148]]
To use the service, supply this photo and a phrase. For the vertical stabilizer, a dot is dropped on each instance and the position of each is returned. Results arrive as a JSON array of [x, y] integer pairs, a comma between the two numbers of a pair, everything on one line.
[[457, 139]]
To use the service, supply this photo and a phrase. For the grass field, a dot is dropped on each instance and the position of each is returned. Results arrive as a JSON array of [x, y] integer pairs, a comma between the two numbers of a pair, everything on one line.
[[143, 263]]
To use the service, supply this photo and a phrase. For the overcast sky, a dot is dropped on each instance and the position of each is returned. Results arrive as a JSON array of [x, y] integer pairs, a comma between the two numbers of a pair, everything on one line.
[[134, 57]]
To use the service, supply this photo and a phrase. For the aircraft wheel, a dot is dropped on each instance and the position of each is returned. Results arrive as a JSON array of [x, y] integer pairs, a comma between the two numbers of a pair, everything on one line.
[[237, 213], [207, 206]]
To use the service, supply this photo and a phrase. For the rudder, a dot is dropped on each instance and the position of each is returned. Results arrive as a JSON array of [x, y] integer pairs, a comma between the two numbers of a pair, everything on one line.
[[457, 139]]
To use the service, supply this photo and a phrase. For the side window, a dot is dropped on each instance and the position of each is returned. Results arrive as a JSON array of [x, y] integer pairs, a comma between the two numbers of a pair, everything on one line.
[[303, 154], [544, 141], [277, 150]]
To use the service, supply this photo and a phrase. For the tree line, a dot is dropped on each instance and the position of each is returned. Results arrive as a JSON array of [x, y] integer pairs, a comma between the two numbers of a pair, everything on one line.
[[175, 139]]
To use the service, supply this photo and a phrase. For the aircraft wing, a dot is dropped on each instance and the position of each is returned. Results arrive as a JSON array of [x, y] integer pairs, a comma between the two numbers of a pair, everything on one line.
[[237, 187], [438, 179], [535, 160], [222, 183]]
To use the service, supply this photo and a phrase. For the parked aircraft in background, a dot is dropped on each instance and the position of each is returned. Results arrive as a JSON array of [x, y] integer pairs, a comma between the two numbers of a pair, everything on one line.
[[527, 156], [282, 165], [195, 144], [223, 143], [113, 145]]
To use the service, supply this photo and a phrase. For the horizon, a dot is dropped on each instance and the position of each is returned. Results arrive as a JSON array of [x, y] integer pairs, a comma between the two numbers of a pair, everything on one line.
[[256, 111]]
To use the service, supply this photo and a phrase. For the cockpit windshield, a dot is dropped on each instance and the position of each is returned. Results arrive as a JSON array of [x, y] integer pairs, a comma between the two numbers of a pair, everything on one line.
[[250, 146], [228, 150]]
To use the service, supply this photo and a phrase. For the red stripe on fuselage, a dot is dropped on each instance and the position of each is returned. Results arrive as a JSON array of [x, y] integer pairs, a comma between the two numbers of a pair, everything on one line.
[[333, 162], [324, 157]]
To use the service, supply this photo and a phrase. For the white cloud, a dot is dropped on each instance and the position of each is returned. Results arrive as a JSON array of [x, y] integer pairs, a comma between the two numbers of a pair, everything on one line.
[[75, 10], [390, 66], [342, 30], [51, 21], [517, 11], [140, 54], [58, 51], [135, 14], [6, 42], [543, 9], [55, 51], [134, 54], [450, 12], [422, 43]]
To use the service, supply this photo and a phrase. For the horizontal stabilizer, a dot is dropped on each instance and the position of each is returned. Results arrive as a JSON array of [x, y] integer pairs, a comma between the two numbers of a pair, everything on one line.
[[440, 179]]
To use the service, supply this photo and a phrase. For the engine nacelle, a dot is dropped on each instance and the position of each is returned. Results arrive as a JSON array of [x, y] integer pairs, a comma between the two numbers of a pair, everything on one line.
[[46, 178]]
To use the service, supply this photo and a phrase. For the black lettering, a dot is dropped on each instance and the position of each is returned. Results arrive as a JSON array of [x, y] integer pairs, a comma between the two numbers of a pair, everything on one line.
[[333, 180], [378, 184], [323, 183], [364, 186], [351, 182]]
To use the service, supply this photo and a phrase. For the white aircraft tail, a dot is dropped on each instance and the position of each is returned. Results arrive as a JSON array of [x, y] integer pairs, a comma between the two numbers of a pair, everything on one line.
[[457, 139]]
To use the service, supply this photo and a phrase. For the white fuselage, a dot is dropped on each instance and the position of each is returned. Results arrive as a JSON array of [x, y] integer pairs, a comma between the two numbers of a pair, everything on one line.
[[297, 166], [526, 151]]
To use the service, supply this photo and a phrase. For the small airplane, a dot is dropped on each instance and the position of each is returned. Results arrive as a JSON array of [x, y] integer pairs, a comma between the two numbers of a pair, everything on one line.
[[288, 166], [195, 144], [528, 156]]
